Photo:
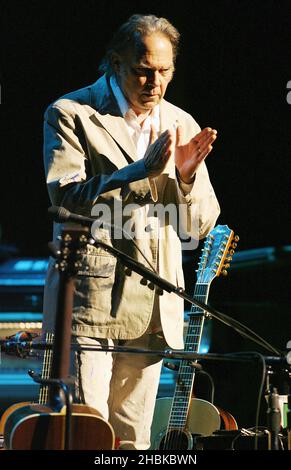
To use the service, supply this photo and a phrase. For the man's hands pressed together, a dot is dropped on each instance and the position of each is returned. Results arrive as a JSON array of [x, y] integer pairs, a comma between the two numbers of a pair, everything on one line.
[[187, 156], [158, 152]]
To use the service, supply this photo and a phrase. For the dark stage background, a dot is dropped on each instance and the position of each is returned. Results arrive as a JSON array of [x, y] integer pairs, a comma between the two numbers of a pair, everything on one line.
[[232, 74]]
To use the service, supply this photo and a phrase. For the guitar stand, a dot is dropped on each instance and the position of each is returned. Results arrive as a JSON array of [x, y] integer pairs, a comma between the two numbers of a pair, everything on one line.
[[61, 384]]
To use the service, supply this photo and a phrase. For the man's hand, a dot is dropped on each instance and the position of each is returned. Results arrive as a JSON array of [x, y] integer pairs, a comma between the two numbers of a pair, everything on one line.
[[159, 152], [189, 156]]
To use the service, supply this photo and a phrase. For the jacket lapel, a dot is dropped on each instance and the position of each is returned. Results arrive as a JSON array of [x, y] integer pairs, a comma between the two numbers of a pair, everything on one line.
[[108, 115], [167, 116]]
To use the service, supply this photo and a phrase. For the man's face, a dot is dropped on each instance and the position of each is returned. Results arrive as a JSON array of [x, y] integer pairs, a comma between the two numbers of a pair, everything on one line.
[[143, 73]]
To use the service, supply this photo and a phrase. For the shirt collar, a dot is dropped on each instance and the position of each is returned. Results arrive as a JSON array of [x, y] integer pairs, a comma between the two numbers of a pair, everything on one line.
[[119, 96]]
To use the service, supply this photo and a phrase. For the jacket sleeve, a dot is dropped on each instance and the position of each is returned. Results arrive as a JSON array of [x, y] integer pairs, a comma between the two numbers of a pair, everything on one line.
[[65, 160], [199, 208]]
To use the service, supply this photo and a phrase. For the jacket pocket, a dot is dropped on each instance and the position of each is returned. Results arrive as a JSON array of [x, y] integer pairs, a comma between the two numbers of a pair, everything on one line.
[[93, 289], [97, 265]]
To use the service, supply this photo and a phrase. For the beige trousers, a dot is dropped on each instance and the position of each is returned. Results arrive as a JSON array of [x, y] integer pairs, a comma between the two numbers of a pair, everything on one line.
[[121, 386]]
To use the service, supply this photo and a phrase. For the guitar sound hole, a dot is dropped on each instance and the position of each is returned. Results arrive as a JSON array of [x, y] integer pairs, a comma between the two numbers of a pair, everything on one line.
[[176, 440]]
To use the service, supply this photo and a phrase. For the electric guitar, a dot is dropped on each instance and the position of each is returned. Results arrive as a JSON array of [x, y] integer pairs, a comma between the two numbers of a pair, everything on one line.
[[176, 419]]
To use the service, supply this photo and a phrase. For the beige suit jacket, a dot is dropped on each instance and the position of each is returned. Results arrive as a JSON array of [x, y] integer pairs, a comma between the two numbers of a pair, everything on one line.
[[90, 159]]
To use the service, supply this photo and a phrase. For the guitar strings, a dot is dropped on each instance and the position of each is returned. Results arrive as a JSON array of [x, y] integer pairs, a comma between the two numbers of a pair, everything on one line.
[[46, 369], [185, 379], [177, 421]]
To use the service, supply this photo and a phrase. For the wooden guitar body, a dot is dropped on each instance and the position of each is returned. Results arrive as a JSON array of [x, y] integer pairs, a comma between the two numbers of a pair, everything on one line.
[[35, 426], [8, 412], [203, 418]]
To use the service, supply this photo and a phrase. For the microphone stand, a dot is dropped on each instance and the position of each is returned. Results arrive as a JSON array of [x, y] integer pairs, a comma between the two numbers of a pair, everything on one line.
[[163, 284], [60, 215]]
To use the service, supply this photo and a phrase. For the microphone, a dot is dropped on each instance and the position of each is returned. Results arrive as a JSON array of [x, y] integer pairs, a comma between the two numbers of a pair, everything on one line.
[[60, 214]]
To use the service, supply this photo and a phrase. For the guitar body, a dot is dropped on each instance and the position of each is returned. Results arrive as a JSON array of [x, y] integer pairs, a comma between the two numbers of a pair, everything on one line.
[[8, 412], [35, 426], [203, 418]]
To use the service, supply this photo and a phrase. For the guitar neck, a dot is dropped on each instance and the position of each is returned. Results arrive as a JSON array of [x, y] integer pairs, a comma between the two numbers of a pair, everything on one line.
[[43, 396], [186, 374]]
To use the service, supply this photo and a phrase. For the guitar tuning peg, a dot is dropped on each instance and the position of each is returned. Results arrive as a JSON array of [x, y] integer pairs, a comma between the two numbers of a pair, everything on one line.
[[236, 238], [128, 272], [231, 252], [226, 266], [229, 258], [234, 245], [151, 286], [224, 272]]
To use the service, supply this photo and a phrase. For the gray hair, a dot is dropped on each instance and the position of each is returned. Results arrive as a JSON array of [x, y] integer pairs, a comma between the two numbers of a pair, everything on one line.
[[133, 29]]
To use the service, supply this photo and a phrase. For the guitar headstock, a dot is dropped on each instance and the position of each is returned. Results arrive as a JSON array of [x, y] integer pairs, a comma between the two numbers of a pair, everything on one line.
[[73, 242], [217, 253]]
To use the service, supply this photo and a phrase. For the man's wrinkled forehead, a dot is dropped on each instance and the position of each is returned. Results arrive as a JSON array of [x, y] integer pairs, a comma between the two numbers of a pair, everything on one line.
[[137, 53]]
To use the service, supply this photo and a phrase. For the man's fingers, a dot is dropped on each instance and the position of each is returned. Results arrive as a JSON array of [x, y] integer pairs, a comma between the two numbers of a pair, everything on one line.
[[159, 152], [204, 134], [206, 141], [203, 153], [203, 145]]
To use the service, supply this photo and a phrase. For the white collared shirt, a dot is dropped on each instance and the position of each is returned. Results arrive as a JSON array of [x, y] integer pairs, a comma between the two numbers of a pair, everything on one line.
[[140, 135]]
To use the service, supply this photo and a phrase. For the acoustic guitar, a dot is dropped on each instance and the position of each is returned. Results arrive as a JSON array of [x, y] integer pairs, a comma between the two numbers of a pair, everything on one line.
[[177, 419], [29, 426]]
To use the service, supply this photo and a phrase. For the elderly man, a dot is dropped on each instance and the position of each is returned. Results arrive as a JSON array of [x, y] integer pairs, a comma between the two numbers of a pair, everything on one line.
[[119, 141]]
